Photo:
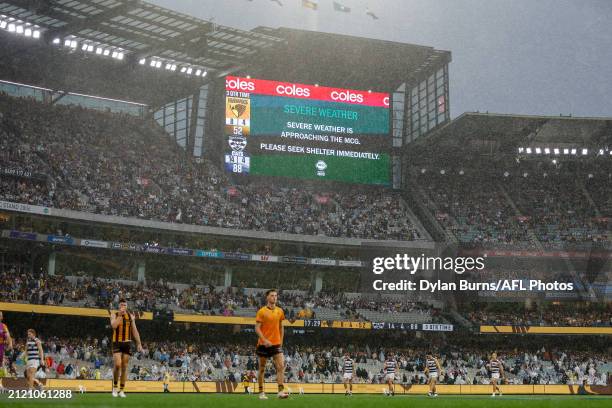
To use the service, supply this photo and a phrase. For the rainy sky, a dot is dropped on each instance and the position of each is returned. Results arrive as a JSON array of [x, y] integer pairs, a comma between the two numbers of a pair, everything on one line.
[[545, 57]]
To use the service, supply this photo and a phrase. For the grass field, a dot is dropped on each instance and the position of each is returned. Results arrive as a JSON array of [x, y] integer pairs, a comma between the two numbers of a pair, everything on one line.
[[311, 401]]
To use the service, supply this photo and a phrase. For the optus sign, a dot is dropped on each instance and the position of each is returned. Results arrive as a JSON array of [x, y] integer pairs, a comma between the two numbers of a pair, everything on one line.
[[293, 90]]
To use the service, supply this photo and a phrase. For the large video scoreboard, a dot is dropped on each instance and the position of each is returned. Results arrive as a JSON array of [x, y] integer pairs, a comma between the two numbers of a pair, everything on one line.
[[306, 131]]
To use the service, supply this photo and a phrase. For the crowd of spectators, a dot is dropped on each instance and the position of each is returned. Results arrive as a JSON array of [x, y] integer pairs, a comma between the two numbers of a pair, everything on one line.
[[88, 359], [41, 288], [557, 207], [472, 208], [561, 314], [117, 164], [18, 285], [38, 288]]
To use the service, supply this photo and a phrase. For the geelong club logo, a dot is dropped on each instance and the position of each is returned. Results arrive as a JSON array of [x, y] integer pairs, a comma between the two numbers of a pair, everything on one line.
[[237, 143]]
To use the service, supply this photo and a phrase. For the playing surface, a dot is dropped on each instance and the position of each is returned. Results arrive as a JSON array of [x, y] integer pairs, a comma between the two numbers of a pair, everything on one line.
[[310, 401]]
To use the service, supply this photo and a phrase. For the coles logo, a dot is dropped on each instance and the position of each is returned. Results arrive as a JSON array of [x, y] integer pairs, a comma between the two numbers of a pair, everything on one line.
[[386, 101], [346, 96], [238, 84], [292, 90]]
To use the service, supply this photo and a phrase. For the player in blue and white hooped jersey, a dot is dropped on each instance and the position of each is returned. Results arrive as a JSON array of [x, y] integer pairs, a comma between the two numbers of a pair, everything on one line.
[[432, 371], [390, 370], [348, 370], [35, 358], [497, 373]]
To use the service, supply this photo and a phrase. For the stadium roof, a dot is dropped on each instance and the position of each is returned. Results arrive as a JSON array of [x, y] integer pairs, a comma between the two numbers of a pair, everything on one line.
[[144, 33], [348, 61], [492, 133], [141, 30]]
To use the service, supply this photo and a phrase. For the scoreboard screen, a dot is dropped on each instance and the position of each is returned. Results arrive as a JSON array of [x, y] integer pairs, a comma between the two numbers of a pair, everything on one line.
[[306, 131]]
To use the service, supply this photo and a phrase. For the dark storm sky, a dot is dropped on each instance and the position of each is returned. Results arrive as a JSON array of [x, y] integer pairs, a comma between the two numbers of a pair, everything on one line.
[[521, 56]]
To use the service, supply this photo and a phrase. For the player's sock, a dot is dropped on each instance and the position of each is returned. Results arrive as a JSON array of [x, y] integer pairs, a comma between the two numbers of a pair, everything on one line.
[[281, 387]]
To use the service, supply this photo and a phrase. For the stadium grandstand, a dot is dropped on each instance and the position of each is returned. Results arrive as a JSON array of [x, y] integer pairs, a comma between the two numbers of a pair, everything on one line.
[[129, 172]]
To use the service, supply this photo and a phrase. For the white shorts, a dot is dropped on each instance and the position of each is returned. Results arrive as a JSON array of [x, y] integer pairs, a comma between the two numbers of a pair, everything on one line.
[[390, 377], [347, 376], [495, 376], [33, 364], [433, 375]]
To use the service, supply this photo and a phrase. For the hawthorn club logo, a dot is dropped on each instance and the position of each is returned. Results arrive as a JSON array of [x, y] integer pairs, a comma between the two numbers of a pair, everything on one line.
[[321, 166], [238, 109]]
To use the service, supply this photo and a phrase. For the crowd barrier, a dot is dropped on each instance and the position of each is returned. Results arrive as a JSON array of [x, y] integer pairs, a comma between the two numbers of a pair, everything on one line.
[[322, 388]]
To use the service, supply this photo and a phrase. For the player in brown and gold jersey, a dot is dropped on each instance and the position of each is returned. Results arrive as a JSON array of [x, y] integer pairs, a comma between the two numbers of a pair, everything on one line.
[[269, 329], [123, 324]]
